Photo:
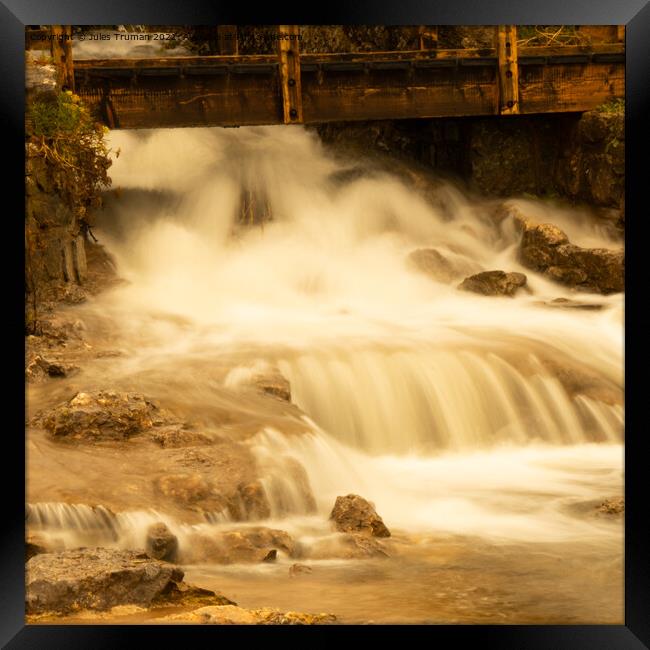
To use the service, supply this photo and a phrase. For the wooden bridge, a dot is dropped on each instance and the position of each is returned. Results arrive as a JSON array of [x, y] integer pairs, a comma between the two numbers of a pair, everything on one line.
[[294, 88]]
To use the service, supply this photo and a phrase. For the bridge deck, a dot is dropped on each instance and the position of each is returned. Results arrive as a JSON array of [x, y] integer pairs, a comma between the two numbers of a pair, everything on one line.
[[247, 90]]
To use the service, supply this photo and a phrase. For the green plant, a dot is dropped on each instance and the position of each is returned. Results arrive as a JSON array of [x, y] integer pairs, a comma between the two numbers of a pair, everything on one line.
[[615, 105], [64, 132]]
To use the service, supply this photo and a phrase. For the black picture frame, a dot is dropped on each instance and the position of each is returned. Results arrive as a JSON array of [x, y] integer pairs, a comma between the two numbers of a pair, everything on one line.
[[635, 14]]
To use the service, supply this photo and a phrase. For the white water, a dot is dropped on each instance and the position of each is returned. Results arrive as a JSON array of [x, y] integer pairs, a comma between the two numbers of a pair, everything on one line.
[[436, 404]]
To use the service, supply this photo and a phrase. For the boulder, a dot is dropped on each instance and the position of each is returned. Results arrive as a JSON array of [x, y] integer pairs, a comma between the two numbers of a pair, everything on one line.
[[546, 248], [249, 503], [34, 545], [40, 368], [353, 514], [161, 543], [102, 415], [178, 436], [494, 283], [95, 578], [240, 545]]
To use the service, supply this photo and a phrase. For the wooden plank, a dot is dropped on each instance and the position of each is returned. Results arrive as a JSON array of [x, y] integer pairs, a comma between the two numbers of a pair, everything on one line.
[[620, 33], [385, 94], [508, 70], [227, 35], [61, 50], [215, 100], [290, 83], [569, 50], [570, 87]]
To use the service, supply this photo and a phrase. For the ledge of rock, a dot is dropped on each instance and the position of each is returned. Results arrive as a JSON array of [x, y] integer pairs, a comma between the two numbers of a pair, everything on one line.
[[101, 578], [494, 283], [353, 514]]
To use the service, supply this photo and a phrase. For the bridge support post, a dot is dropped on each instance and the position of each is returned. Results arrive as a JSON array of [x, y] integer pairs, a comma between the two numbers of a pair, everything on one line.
[[61, 50], [289, 53], [508, 72]]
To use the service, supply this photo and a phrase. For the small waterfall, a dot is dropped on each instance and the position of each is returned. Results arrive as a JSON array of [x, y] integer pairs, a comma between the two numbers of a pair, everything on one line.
[[428, 400]]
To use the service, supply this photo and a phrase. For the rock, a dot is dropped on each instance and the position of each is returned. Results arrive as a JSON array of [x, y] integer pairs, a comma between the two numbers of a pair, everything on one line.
[[249, 503], [40, 368], [161, 543], [494, 283], [275, 385], [242, 545], [95, 578], [102, 415], [216, 615], [433, 263], [614, 507], [185, 489], [34, 545], [545, 248], [567, 303], [353, 514], [296, 569], [231, 615], [178, 436], [347, 546]]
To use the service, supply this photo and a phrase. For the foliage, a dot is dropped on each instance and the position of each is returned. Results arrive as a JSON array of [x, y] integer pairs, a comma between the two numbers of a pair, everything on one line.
[[615, 105], [64, 132]]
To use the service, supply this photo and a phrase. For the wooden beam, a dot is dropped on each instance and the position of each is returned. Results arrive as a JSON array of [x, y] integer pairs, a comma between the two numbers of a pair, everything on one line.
[[290, 84], [508, 70], [61, 50], [228, 39], [620, 33]]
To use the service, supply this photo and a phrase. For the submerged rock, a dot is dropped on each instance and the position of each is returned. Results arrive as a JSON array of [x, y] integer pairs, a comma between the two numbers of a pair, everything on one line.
[[347, 546], [433, 263], [353, 514], [241, 545], [161, 543], [567, 303], [546, 248], [101, 578], [494, 283], [613, 507]]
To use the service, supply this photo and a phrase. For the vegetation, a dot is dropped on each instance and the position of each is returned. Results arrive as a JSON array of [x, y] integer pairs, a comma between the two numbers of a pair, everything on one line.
[[615, 105], [550, 35], [63, 130]]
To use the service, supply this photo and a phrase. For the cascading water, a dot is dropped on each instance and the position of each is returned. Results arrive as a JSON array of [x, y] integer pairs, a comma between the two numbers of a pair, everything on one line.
[[455, 413]]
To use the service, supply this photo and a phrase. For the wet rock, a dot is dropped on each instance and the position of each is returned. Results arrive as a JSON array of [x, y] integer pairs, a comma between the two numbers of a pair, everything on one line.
[[494, 283], [346, 546], [231, 615], [178, 436], [567, 303], [546, 248], [185, 489], [271, 556], [102, 415], [242, 545], [433, 263], [275, 385], [353, 514], [613, 507], [297, 569], [34, 545], [161, 543], [95, 578], [40, 368], [249, 503]]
